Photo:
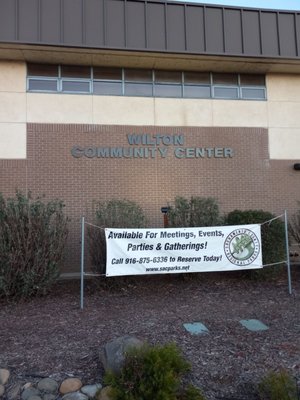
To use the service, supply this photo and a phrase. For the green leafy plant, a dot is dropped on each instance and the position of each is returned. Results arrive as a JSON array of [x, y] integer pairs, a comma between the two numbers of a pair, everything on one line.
[[191, 393], [32, 238], [194, 212], [111, 214], [151, 373], [272, 234], [278, 386]]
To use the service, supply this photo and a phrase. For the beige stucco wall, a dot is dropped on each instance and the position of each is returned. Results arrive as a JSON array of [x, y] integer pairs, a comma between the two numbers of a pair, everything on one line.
[[284, 116], [12, 77], [284, 143], [55, 108], [116, 110], [12, 110], [280, 113], [12, 141]]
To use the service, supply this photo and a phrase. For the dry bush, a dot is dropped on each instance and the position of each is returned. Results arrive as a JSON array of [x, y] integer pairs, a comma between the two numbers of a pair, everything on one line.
[[32, 239], [111, 214]]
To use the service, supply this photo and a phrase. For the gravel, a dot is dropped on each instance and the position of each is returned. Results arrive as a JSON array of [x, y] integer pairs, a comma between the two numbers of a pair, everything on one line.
[[51, 337]]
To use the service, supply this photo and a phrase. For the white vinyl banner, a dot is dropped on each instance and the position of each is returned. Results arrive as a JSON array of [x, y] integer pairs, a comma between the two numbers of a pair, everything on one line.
[[177, 250]]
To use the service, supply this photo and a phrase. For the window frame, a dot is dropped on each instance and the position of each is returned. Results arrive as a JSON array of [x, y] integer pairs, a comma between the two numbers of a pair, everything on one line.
[[123, 81]]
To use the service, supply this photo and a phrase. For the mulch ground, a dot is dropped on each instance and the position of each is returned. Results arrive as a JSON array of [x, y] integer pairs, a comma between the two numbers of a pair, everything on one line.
[[51, 336]]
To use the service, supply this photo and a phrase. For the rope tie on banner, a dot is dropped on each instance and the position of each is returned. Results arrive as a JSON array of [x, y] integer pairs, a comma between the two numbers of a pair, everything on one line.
[[95, 226], [277, 263], [83, 273], [287, 261], [263, 223], [271, 220]]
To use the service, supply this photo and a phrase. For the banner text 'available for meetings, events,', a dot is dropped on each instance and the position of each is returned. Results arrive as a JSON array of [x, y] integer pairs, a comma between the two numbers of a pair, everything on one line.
[[179, 250]]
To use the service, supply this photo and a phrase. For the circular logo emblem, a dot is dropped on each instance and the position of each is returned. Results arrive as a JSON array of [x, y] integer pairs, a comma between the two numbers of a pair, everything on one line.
[[241, 247]]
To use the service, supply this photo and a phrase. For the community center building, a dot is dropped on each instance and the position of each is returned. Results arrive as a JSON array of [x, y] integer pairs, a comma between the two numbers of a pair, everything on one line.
[[147, 100]]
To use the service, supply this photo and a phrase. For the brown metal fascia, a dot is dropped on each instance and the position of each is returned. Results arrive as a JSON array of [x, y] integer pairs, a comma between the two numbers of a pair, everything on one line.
[[277, 31], [223, 30], [146, 23], [166, 25], [185, 28], [163, 31], [16, 19], [220, 6], [204, 29], [296, 35], [104, 23], [242, 30], [39, 20], [83, 21], [260, 32], [125, 23], [61, 21]]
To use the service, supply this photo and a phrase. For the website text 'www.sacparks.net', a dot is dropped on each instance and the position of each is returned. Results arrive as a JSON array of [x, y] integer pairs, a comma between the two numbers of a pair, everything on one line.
[[168, 269]]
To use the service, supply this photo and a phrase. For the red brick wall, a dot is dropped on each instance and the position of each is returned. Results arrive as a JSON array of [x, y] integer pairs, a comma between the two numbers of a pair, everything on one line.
[[247, 180]]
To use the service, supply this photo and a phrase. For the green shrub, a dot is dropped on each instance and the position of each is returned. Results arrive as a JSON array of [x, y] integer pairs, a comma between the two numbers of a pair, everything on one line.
[[151, 373], [278, 386], [191, 393], [32, 238], [272, 236], [111, 214], [194, 212], [294, 226]]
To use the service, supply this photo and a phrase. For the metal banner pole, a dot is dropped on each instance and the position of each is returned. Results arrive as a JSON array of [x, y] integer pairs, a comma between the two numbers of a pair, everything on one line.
[[287, 252], [82, 264]]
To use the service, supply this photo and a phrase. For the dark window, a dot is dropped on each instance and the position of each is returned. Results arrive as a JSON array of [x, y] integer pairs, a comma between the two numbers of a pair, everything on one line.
[[225, 79], [106, 73], [48, 70], [138, 75], [197, 77], [168, 76], [74, 71], [252, 80]]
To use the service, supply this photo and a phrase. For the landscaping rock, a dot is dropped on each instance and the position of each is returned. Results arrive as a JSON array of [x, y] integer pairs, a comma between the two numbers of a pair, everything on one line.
[[27, 385], [48, 385], [4, 376], [70, 385], [104, 394], [113, 354], [30, 392], [47, 389], [91, 390], [49, 396], [75, 396]]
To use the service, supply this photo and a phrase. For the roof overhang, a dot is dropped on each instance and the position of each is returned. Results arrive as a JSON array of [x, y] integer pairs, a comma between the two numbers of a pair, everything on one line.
[[139, 59]]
